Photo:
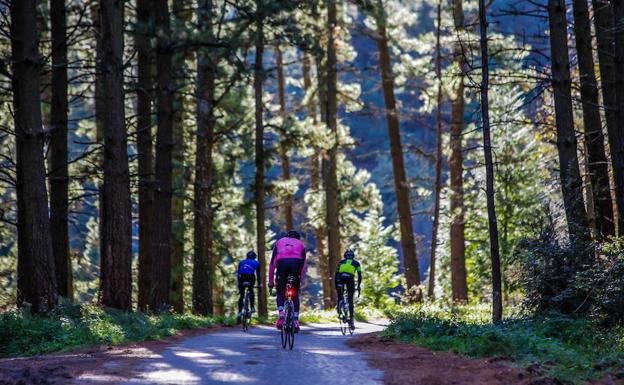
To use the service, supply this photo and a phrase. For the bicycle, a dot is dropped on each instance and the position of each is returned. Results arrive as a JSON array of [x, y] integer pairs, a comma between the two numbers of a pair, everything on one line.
[[246, 313], [287, 333], [343, 309]]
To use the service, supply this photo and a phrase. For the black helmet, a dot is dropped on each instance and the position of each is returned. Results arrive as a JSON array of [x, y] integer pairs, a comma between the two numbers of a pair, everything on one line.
[[251, 255], [349, 254], [293, 234]]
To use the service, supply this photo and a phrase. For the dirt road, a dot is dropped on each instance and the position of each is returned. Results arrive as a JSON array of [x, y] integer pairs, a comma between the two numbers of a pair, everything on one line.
[[320, 356]]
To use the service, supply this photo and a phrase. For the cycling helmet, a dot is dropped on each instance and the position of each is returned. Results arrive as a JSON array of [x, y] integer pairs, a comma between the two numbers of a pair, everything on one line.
[[251, 255], [349, 254], [293, 234]]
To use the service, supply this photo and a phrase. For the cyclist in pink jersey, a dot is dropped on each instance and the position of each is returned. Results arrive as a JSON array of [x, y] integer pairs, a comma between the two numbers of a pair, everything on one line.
[[289, 256]]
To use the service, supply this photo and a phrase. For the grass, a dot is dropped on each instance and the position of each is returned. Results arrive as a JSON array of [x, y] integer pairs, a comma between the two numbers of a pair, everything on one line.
[[362, 314], [75, 326], [573, 350]]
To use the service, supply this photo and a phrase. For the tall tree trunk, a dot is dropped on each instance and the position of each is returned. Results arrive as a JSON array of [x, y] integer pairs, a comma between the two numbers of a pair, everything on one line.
[[36, 280], [145, 157], [401, 185], [569, 172], [594, 139], [497, 299], [616, 135], [438, 158], [315, 179], [116, 220], [203, 266], [182, 14], [284, 143], [58, 169], [330, 174], [260, 204], [459, 286], [161, 246]]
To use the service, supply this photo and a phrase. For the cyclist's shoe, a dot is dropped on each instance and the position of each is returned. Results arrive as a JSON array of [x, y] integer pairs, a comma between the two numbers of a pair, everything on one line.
[[351, 324], [280, 322], [296, 325], [253, 310], [239, 317]]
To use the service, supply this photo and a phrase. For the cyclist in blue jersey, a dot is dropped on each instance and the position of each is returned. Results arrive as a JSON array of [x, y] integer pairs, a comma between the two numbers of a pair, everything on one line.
[[248, 270]]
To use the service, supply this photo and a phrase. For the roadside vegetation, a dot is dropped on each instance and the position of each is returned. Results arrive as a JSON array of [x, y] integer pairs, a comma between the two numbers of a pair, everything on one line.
[[70, 326], [570, 349]]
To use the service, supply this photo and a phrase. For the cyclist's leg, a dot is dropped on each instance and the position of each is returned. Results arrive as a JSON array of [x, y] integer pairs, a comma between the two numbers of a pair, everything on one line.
[[281, 275], [241, 294], [252, 294], [351, 291], [295, 268]]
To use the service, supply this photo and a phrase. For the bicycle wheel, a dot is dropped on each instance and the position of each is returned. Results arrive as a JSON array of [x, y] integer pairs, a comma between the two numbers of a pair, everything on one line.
[[245, 322], [245, 315], [284, 332], [284, 338], [291, 341], [342, 318]]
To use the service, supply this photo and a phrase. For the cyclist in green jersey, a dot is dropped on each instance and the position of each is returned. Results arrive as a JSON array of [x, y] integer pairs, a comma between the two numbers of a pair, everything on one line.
[[345, 275]]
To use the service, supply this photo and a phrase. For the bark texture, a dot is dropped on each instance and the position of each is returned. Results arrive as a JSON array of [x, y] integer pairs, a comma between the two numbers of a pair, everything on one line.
[[57, 158], [569, 171], [202, 256], [594, 138], [616, 135], [36, 280], [182, 14], [284, 143], [330, 177], [438, 158], [161, 242], [497, 298], [459, 286], [260, 204], [401, 185], [116, 214], [145, 158]]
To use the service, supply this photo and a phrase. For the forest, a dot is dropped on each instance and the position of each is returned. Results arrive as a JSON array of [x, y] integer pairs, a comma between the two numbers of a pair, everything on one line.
[[469, 152]]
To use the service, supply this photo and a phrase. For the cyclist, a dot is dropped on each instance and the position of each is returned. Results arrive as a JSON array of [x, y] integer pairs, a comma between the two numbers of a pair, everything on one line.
[[246, 270], [345, 275], [289, 257]]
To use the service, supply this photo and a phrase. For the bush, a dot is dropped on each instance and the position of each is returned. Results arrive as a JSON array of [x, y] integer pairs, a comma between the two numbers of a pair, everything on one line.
[[72, 326], [574, 280], [570, 349]]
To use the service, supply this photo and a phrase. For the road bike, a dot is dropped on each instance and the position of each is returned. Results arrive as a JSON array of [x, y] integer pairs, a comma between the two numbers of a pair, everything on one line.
[[343, 309], [288, 329], [246, 313]]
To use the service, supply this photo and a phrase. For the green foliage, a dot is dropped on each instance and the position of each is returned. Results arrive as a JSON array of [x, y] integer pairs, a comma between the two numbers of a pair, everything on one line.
[[379, 261], [72, 326], [570, 349], [563, 278]]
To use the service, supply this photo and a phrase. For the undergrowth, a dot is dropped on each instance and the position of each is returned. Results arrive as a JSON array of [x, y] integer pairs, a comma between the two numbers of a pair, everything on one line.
[[570, 349], [72, 326]]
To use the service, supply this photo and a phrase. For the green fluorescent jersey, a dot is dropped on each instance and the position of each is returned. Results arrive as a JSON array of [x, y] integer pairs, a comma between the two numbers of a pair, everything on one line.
[[349, 266]]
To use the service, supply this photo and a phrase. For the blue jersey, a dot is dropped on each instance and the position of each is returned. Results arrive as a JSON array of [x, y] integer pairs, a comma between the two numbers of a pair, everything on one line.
[[248, 266]]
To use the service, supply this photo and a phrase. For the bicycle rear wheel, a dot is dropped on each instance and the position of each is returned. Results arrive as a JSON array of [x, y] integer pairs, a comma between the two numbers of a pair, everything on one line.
[[291, 341], [245, 322], [342, 318], [245, 319], [284, 336]]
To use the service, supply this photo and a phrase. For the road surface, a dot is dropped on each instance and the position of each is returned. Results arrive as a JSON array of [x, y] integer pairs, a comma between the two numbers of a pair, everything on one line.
[[320, 356]]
